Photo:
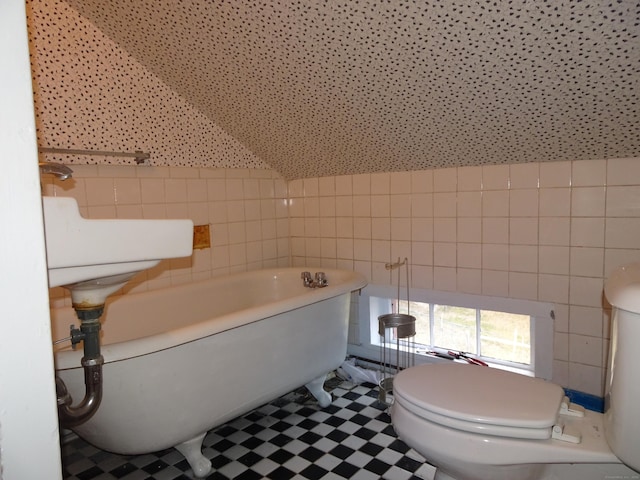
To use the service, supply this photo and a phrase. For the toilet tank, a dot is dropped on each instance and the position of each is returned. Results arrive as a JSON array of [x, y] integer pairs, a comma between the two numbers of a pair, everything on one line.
[[622, 389]]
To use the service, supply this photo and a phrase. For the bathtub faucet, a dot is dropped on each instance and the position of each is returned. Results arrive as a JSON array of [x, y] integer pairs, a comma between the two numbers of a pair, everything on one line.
[[318, 281]]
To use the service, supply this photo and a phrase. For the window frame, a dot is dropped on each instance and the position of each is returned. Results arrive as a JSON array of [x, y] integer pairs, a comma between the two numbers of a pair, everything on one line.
[[367, 346]]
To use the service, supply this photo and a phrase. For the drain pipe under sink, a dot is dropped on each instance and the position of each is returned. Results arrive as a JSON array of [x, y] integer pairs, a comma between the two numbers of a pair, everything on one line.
[[89, 334]]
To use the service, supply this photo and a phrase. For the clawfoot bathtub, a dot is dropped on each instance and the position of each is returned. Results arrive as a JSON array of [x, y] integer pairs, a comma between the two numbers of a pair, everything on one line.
[[183, 360]]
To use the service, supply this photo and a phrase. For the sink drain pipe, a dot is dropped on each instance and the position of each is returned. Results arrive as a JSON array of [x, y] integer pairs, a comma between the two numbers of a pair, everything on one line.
[[89, 334]]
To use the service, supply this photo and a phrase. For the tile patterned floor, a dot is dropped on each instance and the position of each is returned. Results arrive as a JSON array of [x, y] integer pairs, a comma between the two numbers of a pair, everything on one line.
[[289, 438]]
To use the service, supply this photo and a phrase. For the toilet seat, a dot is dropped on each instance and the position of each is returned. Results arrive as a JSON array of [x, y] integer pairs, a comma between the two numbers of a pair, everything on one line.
[[480, 400]]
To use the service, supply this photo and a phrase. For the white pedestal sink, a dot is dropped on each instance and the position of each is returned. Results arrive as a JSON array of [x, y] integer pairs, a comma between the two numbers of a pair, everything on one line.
[[95, 258]]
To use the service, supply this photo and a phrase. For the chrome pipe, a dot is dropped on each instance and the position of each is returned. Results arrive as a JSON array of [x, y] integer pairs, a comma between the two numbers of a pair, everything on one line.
[[140, 157], [92, 361], [72, 416]]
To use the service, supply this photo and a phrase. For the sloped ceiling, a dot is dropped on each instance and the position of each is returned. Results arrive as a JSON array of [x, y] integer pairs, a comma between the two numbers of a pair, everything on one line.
[[318, 88]]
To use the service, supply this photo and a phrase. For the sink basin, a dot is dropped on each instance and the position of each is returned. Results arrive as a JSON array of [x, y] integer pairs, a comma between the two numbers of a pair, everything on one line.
[[94, 258]]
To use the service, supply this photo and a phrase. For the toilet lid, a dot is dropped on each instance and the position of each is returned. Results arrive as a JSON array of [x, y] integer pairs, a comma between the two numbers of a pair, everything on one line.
[[480, 399]]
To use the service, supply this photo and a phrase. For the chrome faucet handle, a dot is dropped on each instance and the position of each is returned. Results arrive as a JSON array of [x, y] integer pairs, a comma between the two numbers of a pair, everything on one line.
[[306, 278], [320, 279]]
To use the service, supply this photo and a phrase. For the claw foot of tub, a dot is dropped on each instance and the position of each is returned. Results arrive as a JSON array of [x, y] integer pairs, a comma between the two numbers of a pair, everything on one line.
[[315, 386], [192, 451]]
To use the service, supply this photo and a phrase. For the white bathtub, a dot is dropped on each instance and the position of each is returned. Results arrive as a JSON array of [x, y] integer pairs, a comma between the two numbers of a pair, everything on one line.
[[182, 360]]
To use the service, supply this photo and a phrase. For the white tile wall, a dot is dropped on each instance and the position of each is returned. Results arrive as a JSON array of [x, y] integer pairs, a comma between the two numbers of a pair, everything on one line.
[[549, 232], [240, 206], [469, 179], [555, 174]]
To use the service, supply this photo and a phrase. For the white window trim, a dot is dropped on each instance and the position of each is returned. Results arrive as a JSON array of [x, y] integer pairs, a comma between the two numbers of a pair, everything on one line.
[[540, 312]]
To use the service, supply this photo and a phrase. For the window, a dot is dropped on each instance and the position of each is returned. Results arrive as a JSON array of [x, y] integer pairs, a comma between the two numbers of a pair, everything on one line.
[[507, 333], [495, 336]]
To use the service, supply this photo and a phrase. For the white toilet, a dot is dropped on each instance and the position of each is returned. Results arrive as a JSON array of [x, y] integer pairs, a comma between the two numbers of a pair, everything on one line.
[[478, 423]]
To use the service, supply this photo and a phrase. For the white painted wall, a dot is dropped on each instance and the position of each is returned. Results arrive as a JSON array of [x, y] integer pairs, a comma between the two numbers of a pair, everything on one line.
[[29, 440]]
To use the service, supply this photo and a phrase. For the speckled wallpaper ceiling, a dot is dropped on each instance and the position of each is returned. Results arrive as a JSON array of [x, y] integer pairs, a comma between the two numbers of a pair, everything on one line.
[[90, 95], [319, 88]]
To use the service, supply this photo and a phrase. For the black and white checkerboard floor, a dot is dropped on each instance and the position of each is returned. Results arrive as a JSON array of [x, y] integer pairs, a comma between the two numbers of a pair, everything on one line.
[[289, 438]]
